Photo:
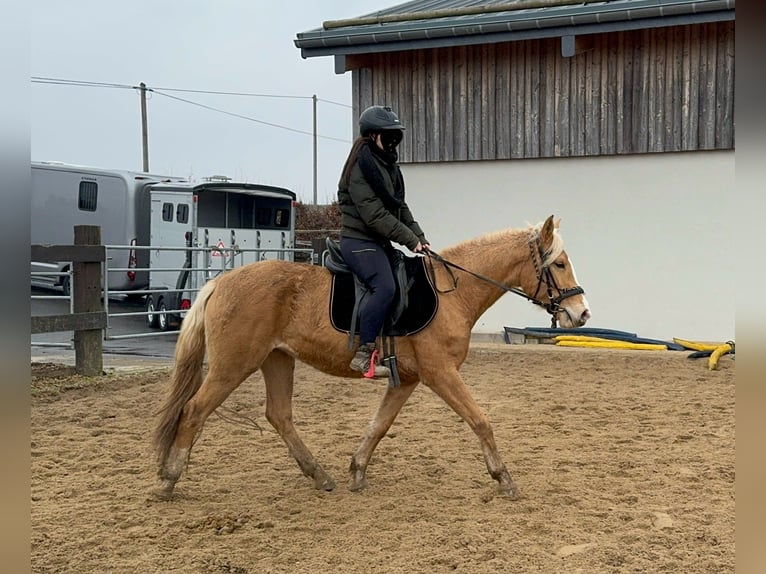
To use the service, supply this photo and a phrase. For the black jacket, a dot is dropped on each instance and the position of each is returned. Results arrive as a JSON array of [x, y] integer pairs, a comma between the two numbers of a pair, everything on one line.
[[365, 216]]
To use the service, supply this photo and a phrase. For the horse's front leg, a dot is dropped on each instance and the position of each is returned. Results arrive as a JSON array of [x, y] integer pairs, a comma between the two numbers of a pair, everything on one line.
[[278, 372], [389, 407], [449, 385]]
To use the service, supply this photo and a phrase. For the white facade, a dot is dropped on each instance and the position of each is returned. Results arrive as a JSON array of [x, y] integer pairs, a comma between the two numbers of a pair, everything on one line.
[[651, 235]]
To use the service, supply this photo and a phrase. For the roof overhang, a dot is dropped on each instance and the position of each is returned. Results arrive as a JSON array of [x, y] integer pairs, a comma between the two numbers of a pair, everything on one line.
[[390, 33]]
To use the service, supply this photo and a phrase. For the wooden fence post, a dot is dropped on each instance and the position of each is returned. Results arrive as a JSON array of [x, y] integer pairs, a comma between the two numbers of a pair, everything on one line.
[[86, 297]]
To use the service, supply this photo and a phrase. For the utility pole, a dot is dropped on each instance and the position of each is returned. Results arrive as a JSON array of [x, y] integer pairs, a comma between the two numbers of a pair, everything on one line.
[[314, 98], [144, 129]]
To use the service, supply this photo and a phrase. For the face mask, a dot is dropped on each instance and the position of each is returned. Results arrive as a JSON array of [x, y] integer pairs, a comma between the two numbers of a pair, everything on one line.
[[389, 139]]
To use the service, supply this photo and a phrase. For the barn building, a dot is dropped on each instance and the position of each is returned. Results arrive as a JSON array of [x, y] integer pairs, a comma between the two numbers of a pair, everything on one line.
[[617, 116]]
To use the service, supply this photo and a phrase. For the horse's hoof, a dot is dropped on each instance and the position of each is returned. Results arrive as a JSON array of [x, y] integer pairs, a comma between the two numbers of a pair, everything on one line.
[[162, 494], [324, 483], [358, 484], [509, 491]]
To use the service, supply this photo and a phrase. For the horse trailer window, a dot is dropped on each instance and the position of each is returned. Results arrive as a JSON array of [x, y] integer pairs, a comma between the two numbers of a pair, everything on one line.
[[239, 213], [281, 217], [167, 212], [182, 213], [88, 198], [238, 210], [211, 209], [263, 216]]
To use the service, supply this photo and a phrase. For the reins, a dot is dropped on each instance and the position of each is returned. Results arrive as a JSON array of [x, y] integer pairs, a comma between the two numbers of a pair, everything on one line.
[[553, 307], [449, 264]]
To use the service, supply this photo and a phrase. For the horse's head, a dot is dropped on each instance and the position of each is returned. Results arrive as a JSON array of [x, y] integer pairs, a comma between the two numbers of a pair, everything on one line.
[[550, 277]]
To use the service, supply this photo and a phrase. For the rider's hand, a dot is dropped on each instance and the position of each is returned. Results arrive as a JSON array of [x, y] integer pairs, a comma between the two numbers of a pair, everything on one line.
[[420, 247]]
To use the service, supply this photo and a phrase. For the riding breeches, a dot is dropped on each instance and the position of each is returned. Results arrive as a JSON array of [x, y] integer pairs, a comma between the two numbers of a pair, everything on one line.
[[370, 263]]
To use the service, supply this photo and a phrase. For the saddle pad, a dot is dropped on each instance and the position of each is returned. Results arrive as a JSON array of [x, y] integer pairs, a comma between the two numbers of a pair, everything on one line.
[[421, 307]]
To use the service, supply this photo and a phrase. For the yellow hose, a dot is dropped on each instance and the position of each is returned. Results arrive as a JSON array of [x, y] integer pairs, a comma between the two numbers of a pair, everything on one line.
[[607, 344], [580, 338], [721, 350], [697, 346]]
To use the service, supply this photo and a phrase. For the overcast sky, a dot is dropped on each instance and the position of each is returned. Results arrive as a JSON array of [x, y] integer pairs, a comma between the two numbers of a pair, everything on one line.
[[242, 46]]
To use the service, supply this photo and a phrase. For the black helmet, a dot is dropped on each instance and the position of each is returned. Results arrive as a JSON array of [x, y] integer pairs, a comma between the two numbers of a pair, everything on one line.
[[377, 119]]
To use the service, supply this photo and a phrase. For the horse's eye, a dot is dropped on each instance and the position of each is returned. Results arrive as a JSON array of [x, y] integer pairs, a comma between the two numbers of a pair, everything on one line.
[[560, 265]]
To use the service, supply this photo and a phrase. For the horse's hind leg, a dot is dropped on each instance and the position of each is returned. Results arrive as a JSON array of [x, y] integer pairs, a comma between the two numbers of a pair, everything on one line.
[[214, 390], [450, 387], [390, 406], [278, 370]]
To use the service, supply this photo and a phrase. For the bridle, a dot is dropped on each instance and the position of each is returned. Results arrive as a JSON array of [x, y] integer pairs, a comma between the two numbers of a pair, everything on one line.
[[544, 274], [544, 277]]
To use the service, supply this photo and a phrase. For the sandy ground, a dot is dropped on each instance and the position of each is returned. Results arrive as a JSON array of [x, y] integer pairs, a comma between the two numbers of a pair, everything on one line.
[[625, 460]]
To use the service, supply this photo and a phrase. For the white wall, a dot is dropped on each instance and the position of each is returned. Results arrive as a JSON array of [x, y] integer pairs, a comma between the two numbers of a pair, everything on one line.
[[650, 235]]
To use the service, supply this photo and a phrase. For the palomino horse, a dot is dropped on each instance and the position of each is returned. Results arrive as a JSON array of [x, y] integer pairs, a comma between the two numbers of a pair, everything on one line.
[[268, 314]]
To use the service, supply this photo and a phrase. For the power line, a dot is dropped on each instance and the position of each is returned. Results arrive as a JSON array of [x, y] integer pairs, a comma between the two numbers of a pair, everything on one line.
[[67, 82], [240, 116], [280, 96], [64, 82], [90, 84], [333, 103]]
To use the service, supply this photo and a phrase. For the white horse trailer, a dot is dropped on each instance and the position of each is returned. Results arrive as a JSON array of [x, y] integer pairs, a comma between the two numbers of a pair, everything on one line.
[[162, 233], [213, 226]]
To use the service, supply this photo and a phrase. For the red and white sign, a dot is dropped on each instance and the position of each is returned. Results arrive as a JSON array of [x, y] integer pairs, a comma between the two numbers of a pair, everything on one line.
[[217, 253]]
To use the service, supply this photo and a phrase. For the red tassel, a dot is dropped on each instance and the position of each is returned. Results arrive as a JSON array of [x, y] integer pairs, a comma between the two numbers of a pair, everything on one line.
[[370, 374]]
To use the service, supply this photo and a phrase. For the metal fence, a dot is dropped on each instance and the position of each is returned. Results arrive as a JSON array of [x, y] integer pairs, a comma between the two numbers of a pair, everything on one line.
[[210, 263], [226, 259], [66, 275]]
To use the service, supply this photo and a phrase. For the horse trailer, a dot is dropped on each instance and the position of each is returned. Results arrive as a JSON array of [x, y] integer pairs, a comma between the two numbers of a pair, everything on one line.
[[162, 233]]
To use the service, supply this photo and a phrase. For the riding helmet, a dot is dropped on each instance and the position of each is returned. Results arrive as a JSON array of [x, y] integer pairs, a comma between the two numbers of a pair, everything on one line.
[[377, 119]]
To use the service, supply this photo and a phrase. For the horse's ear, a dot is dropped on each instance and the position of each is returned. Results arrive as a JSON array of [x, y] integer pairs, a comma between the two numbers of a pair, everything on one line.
[[546, 234], [557, 223]]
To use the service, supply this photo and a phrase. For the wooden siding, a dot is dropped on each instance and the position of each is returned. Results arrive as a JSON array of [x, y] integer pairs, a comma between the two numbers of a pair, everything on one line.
[[652, 90]]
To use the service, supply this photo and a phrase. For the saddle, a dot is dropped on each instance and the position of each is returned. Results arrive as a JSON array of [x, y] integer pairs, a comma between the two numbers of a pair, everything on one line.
[[415, 302]]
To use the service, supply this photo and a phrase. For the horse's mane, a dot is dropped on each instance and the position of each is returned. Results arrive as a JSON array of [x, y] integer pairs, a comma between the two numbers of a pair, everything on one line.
[[514, 238]]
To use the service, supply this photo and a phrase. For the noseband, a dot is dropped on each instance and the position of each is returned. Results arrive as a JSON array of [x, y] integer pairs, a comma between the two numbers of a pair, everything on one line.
[[544, 277]]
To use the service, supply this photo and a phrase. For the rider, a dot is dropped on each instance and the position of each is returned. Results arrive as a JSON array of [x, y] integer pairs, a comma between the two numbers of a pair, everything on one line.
[[374, 214]]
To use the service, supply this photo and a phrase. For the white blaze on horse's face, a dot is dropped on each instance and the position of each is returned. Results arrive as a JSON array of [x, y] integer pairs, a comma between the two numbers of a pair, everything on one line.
[[575, 310], [557, 289]]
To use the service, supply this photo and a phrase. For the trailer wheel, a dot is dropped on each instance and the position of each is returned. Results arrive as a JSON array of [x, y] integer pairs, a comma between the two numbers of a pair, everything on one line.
[[66, 285], [151, 317], [162, 317], [174, 321]]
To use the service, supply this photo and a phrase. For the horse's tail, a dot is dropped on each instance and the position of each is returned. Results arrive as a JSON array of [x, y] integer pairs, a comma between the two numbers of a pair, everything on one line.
[[186, 378]]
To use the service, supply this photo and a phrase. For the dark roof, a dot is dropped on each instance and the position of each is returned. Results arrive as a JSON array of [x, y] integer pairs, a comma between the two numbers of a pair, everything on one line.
[[438, 23]]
